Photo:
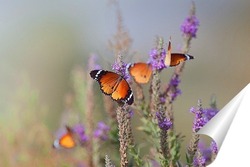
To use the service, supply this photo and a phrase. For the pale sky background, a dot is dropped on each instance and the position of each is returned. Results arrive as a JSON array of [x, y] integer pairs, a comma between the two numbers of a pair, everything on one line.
[[44, 40]]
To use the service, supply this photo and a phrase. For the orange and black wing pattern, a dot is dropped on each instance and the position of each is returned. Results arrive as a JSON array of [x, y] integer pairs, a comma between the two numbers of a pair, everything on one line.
[[114, 85], [141, 72], [65, 141], [174, 59], [177, 58]]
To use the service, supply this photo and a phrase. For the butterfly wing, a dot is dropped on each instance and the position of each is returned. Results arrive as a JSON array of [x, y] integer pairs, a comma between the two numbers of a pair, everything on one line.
[[123, 93], [141, 72], [66, 141], [168, 55], [177, 58], [114, 85], [174, 59]]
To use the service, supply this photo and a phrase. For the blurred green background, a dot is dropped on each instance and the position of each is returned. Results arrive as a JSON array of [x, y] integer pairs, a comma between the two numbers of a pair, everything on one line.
[[42, 41]]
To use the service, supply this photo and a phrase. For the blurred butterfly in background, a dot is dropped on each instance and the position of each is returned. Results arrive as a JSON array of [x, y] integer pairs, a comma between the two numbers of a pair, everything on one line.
[[114, 85], [67, 140], [174, 59], [141, 72]]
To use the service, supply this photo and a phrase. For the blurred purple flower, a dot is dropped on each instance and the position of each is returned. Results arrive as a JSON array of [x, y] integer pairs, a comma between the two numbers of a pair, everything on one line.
[[131, 113], [79, 129], [163, 122], [174, 82], [154, 163], [92, 62], [157, 58], [199, 161], [190, 26], [101, 131], [162, 99], [205, 151], [214, 147]]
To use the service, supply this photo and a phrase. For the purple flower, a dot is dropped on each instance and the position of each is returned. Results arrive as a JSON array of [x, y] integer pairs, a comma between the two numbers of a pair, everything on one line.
[[199, 120], [163, 122], [174, 82], [190, 26], [157, 58], [176, 93], [209, 113], [121, 68], [101, 131], [205, 151], [214, 147], [131, 113], [80, 131], [192, 110], [199, 161], [162, 99]]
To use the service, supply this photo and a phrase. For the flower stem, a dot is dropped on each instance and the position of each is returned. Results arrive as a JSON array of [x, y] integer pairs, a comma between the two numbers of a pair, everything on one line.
[[125, 133], [89, 114], [157, 106]]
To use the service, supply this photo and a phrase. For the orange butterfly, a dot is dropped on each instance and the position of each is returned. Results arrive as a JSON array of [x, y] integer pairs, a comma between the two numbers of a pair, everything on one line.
[[141, 72], [66, 141], [114, 85], [174, 59]]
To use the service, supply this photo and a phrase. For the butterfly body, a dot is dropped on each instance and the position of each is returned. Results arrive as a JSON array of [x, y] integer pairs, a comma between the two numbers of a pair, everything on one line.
[[114, 85]]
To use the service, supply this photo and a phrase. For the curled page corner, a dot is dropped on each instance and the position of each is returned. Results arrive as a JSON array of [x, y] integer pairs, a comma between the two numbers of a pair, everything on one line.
[[229, 129]]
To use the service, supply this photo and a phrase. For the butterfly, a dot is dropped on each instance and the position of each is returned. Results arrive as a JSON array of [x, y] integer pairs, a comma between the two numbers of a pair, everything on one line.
[[114, 85], [66, 141], [141, 72], [174, 59]]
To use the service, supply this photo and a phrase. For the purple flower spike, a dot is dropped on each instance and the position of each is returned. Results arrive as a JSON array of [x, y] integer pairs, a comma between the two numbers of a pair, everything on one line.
[[157, 58], [163, 122], [80, 131], [101, 131], [190, 26], [199, 120]]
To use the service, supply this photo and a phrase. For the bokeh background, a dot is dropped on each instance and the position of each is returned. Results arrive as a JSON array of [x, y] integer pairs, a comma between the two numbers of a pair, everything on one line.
[[41, 42]]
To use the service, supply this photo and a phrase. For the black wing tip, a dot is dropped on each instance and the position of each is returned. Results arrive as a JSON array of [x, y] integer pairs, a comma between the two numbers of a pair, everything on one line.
[[93, 73], [130, 101], [190, 57]]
